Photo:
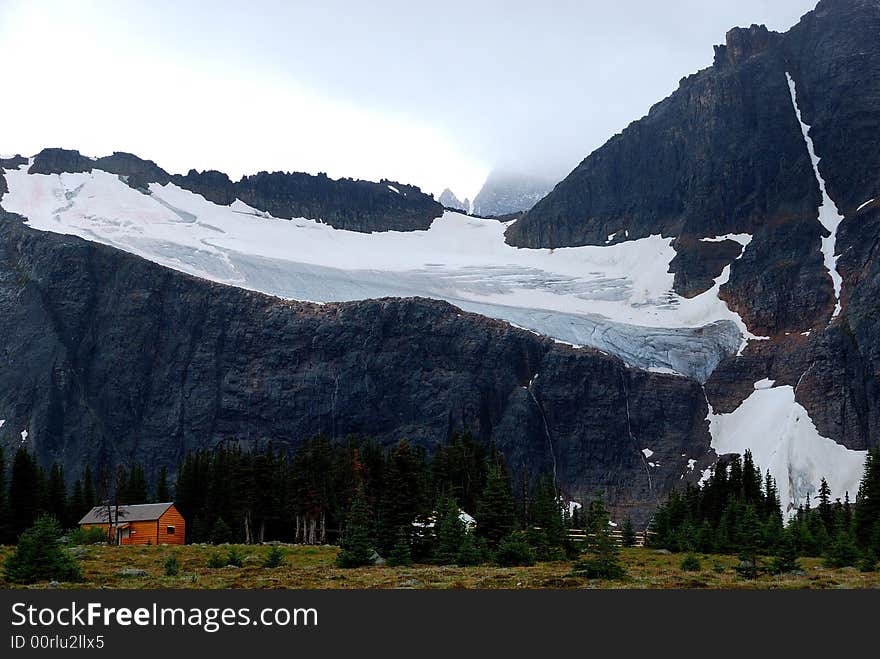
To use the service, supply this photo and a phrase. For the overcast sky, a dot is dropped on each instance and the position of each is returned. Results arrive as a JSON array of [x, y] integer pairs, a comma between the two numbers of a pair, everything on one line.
[[432, 93]]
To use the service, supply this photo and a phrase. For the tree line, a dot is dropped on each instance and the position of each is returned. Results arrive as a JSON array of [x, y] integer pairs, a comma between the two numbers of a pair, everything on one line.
[[738, 511]]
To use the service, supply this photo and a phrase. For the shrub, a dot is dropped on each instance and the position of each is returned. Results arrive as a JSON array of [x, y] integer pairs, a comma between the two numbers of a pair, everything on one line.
[[275, 557], [868, 562], [172, 566], [690, 563], [514, 550], [215, 560], [39, 555], [90, 536], [234, 557]]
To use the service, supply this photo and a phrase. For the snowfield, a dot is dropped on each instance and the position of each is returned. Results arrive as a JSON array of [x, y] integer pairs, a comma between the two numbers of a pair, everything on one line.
[[783, 439], [616, 298]]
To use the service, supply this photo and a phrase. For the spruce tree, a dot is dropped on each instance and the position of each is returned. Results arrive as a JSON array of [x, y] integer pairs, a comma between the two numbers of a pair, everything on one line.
[[401, 553], [866, 514], [39, 556], [357, 546], [496, 509], [89, 489], [24, 491], [6, 535], [58, 495], [76, 505], [163, 492], [843, 551], [628, 533], [601, 558], [450, 533], [786, 558]]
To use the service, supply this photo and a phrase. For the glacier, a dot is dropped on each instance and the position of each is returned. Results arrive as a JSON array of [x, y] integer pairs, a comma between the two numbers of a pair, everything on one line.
[[616, 298]]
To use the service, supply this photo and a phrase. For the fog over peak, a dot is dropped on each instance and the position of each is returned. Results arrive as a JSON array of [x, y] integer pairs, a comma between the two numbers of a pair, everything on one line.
[[437, 94]]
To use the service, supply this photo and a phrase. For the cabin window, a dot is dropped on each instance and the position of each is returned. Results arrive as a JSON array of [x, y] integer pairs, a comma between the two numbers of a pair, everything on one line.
[[170, 530]]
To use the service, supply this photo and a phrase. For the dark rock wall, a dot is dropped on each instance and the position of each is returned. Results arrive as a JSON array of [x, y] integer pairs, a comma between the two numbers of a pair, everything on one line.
[[107, 357]]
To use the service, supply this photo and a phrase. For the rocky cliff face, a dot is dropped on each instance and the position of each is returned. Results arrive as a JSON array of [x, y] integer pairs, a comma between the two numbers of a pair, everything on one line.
[[725, 154], [449, 200], [355, 205], [109, 357], [505, 193]]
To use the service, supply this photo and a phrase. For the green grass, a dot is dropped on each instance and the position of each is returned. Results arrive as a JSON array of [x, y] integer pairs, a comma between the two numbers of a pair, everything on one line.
[[314, 567]]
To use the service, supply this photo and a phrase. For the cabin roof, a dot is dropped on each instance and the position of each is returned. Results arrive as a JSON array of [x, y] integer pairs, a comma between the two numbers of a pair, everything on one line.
[[142, 512]]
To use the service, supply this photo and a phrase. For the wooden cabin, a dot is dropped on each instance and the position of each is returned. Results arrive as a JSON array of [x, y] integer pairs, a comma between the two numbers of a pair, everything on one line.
[[141, 524]]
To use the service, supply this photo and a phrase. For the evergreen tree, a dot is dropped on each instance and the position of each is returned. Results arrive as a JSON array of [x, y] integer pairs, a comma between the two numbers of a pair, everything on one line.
[[470, 552], [866, 514], [601, 558], [547, 518], [58, 495], [628, 533], [496, 509], [357, 546], [220, 532], [163, 492], [826, 513], [402, 497], [39, 555], [843, 551], [76, 505], [89, 489], [24, 491], [401, 553], [450, 533], [786, 558], [6, 534]]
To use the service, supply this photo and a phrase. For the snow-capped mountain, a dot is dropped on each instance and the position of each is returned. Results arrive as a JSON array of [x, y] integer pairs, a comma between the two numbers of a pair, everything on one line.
[[506, 193], [704, 283], [449, 200]]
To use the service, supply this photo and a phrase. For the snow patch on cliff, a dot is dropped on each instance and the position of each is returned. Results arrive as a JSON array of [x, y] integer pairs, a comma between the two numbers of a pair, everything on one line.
[[783, 439], [829, 215]]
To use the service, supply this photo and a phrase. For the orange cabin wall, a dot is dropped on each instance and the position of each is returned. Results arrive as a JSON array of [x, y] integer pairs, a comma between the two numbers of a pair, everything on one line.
[[153, 532]]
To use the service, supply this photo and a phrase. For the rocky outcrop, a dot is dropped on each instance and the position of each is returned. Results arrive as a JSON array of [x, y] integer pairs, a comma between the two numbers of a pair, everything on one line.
[[9, 163], [725, 154], [350, 204], [505, 193], [107, 357], [449, 200]]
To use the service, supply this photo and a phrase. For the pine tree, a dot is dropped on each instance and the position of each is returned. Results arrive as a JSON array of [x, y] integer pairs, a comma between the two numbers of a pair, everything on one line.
[[89, 489], [76, 505], [470, 552], [357, 546], [826, 513], [844, 551], [6, 535], [496, 509], [220, 532], [786, 558], [58, 495], [866, 514], [24, 491], [401, 553], [601, 555], [39, 555], [163, 492], [628, 533], [450, 533]]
